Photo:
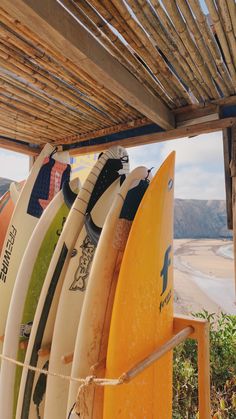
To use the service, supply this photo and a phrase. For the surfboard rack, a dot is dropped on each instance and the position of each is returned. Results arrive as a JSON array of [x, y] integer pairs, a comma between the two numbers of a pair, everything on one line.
[[201, 335], [44, 351], [24, 345], [184, 328], [67, 359]]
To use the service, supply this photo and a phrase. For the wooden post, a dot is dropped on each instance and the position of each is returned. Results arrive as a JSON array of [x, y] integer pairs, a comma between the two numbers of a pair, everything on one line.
[[204, 372], [228, 178], [201, 334], [233, 175]]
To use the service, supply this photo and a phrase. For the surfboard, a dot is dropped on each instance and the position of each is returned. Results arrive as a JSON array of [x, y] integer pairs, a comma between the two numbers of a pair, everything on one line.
[[142, 315], [44, 181], [110, 167], [81, 165], [7, 204], [92, 336], [15, 190], [71, 301], [25, 296], [6, 210]]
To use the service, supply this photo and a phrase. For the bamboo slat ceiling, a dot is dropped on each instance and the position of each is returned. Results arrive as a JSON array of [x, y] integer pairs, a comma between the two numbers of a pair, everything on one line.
[[176, 52]]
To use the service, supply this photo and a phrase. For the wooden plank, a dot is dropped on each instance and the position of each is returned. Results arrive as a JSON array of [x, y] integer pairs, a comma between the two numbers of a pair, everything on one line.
[[201, 334], [198, 120], [233, 175], [106, 131], [204, 373], [228, 179], [53, 24], [206, 108], [194, 111], [196, 117], [18, 148], [181, 322], [189, 131]]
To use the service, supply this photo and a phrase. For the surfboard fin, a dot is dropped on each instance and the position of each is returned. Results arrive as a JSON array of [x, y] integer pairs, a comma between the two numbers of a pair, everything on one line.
[[92, 229], [68, 194]]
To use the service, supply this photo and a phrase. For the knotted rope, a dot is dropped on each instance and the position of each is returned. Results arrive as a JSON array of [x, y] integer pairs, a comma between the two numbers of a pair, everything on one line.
[[80, 404]]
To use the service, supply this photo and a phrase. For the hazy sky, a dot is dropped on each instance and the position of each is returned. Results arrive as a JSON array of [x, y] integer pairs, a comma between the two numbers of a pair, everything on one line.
[[199, 164]]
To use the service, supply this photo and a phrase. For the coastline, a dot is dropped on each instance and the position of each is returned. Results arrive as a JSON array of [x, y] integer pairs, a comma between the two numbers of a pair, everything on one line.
[[204, 276]]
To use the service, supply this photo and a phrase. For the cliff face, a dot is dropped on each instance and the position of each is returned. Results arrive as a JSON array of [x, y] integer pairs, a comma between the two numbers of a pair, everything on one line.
[[4, 185], [200, 219], [193, 218]]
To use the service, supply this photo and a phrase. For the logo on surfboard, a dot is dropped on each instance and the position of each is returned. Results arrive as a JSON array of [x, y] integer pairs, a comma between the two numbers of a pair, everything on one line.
[[7, 253], [85, 260], [25, 330], [170, 184], [164, 275], [164, 271]]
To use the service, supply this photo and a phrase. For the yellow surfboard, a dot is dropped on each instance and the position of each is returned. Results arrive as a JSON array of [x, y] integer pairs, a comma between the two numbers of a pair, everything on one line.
[[142, 317]]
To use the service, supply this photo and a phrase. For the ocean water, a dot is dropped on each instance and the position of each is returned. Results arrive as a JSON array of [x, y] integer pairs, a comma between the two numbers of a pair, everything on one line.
[[219, 290], [226, 251]]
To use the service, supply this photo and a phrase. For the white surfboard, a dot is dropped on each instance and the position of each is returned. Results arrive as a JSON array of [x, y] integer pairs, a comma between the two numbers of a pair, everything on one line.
[[43, 182], [110, 166], [25, 296], [92, 336], [15, 190], [71, 301]]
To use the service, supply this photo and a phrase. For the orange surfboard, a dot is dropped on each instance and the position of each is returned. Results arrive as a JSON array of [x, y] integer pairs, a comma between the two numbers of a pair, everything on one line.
[[142, 317], [7, 205]]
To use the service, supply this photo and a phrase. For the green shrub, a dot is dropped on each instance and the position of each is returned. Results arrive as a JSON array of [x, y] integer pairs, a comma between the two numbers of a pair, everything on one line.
[[223, 371]]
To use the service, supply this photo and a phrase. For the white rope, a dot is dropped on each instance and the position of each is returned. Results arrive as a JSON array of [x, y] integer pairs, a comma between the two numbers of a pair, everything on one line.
[[83, 381]]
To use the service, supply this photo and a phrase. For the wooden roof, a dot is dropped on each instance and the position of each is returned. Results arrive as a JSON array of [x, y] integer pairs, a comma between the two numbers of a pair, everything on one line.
[[84, 74]]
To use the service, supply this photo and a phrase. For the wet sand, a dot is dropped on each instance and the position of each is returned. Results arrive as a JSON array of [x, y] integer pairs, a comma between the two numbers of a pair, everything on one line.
[[204, 276]]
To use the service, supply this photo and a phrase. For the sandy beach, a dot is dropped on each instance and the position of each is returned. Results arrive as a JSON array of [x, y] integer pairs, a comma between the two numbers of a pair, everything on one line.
[[204, 276]]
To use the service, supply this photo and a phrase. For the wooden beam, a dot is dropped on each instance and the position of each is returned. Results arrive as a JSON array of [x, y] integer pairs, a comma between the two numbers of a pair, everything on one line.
[[228, 179], [198, 120], [194, 111], [197, 116], [19, 148], [56, 27], [233, 175], [217, 109], [206, 107], [104, 131], [189, 131]]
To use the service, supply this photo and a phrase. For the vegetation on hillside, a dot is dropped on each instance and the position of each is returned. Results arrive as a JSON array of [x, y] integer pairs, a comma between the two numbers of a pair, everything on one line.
[[223, 371]]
